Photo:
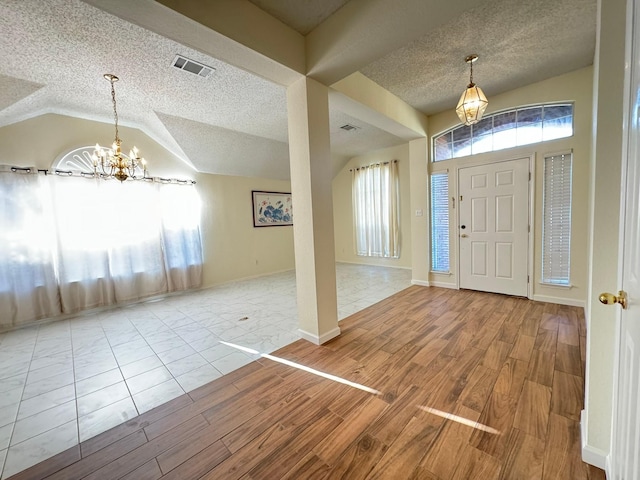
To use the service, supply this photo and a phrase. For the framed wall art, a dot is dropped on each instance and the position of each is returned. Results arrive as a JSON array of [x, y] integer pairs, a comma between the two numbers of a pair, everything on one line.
[[272, 209]]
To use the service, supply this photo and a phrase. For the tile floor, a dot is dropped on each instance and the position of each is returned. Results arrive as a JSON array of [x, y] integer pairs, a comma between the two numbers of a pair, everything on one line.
[[64, 382]]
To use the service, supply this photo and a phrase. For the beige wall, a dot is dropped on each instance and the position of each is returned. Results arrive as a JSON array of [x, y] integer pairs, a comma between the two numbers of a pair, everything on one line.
[[420, 238], [576, 87], [343, 209], [233, 248]]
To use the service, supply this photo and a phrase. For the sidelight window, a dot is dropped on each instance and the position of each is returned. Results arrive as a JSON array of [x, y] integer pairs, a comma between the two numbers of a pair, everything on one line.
[[556, 220]]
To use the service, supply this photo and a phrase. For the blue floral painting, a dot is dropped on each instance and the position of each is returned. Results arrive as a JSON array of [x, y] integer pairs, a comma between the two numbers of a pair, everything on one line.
[[272, 209]]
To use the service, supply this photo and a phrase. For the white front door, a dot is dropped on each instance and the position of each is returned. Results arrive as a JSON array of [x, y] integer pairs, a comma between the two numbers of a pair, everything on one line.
[[626, 430], [493, 227]]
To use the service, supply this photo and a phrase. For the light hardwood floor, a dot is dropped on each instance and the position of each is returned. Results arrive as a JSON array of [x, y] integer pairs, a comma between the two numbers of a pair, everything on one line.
[[469, 385]]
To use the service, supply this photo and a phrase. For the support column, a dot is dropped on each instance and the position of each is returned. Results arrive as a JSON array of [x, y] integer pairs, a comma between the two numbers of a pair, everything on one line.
[[311, 176]]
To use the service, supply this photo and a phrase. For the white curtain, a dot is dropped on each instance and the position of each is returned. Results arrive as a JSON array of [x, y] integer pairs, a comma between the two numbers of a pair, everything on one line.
[[107, 242], [376, 210], [28, 287], [180, 208]]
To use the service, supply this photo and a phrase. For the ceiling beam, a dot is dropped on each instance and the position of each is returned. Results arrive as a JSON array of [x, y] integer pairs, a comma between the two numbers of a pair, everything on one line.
[[362, 98], [364, 30]]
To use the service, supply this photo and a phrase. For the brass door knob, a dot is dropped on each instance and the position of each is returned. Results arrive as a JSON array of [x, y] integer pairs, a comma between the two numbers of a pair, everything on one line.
[[610, 298], [464, 235]]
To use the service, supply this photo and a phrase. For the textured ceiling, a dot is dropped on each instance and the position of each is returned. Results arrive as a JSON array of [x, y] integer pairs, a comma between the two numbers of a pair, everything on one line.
[[365, 138], [517, 42], [54, 54], [13, 90], [301, 15], [66, 46], [260, 157]]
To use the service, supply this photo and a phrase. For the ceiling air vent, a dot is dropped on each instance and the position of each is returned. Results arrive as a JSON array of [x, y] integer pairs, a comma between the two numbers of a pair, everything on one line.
[[192, 66], [348, 127]]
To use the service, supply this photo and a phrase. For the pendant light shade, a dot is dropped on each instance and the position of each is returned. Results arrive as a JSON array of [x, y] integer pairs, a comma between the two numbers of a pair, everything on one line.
[[473, 101]]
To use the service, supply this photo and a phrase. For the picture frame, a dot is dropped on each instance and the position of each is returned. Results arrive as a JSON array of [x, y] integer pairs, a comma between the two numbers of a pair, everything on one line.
[[271, 209]]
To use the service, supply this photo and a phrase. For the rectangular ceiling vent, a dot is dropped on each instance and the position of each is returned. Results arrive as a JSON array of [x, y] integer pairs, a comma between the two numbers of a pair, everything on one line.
[[192, 66], [348, 127]]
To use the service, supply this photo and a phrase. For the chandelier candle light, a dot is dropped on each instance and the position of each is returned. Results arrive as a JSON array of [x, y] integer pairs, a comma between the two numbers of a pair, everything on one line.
[[112, 162], [473, 102]]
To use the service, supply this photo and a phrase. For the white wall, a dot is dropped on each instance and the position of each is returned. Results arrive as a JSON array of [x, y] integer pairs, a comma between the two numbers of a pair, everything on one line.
[[576, 87], [233, 248], [343, 208]]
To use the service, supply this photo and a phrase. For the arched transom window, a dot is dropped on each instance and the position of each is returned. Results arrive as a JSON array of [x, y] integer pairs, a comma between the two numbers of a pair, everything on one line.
[[520, 126]]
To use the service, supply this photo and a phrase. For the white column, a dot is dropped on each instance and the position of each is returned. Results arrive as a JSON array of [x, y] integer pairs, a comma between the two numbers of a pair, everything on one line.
[[311, 175]]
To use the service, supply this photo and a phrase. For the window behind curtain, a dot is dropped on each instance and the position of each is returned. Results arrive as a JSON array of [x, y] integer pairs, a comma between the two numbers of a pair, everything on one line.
[[440, 222], [72, 243], [28, 288], [376, 210], [556, 220]]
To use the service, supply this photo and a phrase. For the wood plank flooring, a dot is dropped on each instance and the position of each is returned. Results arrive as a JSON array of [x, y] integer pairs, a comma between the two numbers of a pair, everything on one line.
[[471, 386]]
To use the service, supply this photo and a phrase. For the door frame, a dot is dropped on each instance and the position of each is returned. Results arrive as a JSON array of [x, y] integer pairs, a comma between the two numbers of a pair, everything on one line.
[[531, 216], [632, 37]]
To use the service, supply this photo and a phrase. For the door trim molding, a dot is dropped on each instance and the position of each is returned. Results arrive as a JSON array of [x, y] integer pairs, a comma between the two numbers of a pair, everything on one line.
[[631, 82]]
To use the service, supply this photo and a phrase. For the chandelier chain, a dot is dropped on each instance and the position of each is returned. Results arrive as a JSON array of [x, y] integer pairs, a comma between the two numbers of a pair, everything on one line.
[[115, 111]]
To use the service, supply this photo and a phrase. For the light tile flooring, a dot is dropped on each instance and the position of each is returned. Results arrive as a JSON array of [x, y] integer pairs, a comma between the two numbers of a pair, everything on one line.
[[64, 382]]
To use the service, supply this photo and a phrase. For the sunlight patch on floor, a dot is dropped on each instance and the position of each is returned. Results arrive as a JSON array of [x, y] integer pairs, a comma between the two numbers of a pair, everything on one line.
[[462, 420], [305, 368]]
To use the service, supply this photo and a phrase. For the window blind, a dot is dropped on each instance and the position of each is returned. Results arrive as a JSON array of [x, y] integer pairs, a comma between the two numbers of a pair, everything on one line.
[[440, 222], [556, 221]]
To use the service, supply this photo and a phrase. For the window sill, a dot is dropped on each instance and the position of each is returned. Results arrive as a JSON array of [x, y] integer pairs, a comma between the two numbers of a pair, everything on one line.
[[556, 285]]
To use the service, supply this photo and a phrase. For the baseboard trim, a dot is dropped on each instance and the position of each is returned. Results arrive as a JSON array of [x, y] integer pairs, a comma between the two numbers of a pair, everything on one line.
[[558, 300], [591, 455], [319, 340], [422, 283], [373, 265], [242, 279], [444, 285]]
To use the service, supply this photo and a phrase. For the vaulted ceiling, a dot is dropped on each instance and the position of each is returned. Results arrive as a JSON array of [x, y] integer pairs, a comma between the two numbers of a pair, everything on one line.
[[234, 122]]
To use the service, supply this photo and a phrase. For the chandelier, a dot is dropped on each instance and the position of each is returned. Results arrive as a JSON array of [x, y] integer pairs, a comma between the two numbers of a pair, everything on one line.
[[473, 102], [112, 162]]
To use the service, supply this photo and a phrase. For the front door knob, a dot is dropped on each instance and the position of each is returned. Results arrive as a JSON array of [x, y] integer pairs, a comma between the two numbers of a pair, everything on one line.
[[610, 298]]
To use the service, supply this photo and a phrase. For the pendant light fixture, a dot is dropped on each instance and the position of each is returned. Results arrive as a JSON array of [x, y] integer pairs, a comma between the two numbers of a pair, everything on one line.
[[473, 101]]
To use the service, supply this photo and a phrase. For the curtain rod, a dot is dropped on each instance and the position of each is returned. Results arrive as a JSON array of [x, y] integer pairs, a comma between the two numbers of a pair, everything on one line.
[[93, 175], [373, 165]]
